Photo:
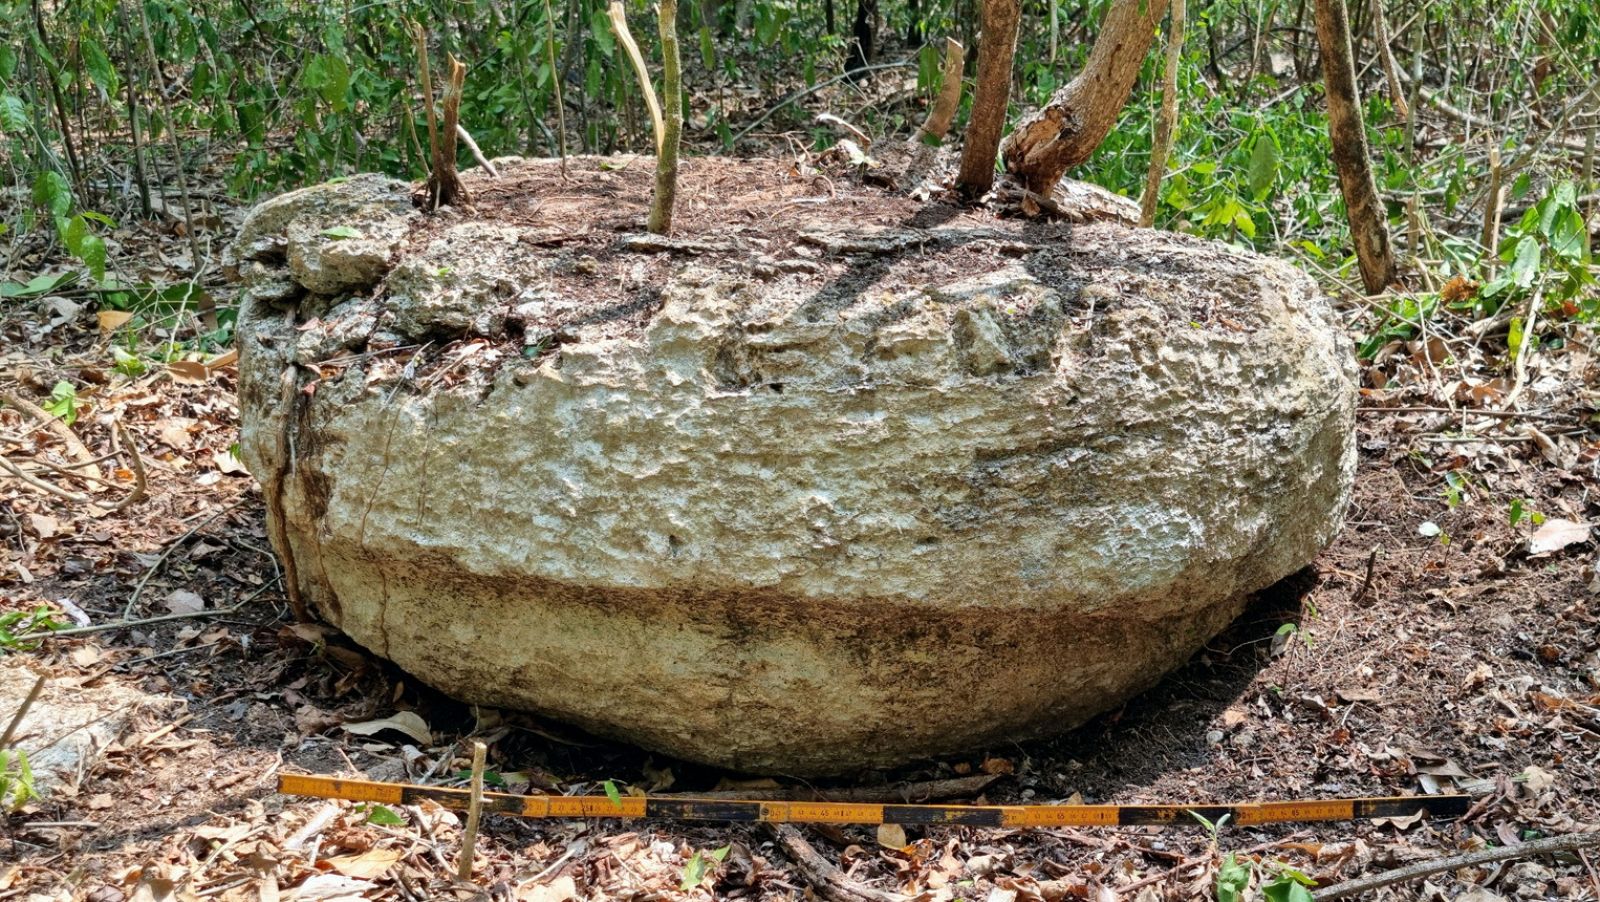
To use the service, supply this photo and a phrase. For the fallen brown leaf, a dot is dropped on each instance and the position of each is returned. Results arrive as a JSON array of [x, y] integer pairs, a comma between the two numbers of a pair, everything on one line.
[[1557, 534]]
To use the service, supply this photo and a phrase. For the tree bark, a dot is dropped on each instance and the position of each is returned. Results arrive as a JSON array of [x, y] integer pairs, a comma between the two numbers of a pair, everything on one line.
[[1080, 115], [1369, 229], [672, 123], [997, 45]]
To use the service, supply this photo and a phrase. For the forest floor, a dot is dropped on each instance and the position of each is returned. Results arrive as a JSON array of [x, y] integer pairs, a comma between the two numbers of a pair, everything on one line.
[[1446, 642]]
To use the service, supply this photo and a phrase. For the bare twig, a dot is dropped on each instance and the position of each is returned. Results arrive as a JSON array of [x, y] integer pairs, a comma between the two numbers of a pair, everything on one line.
[[134, 496], [555, 81], [54, 424], [208, 309], [1491, 212], [138, 590], [466, 138], [469, 834], [128, 624], [807, 92], [1362, 885], [1366, 581], [1380, 32], [22, 711], [1520, 366]]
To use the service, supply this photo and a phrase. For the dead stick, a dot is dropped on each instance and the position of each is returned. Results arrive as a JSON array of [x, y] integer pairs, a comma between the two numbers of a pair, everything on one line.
[[1570, 843], [1366, 581], [1491, 212], [125, 624], [943, 111], [54, 424], [619, 23], [49, 488], [1594, 878], [466, 138], [828, 880], [469, 836], [22, 711]]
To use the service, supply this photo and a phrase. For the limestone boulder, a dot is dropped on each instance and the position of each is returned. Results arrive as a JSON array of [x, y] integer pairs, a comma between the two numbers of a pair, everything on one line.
[[803, 500]]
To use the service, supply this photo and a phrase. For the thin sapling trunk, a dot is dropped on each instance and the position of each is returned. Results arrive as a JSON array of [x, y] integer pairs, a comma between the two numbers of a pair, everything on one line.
[[1369, 228], [672, 123], [1161, 145], [996, 48]]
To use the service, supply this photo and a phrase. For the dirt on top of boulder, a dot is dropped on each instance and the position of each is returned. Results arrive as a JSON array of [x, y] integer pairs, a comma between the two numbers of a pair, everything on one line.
[[548, 255]]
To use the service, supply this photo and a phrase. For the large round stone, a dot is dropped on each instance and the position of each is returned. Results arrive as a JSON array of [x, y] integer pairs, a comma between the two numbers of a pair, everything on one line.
[[817, 496]]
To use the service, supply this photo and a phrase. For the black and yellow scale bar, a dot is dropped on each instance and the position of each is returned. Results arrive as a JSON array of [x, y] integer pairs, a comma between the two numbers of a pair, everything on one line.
[[726, 810]]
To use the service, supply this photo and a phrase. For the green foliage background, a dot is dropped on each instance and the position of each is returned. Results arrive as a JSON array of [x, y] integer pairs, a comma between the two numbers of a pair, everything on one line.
[[278, 93]]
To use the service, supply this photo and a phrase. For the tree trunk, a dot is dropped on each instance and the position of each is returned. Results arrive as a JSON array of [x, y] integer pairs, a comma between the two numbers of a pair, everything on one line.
[[996, 46], [862, 36], [1369, 229], [672, 123], [1081, 114]]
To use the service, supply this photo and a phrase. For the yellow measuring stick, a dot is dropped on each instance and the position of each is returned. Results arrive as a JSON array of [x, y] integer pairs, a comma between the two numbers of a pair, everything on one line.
[[734, 810]]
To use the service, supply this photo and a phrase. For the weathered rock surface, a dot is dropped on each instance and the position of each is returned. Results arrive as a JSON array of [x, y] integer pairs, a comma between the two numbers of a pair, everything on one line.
[[935, 488], [69, 725]]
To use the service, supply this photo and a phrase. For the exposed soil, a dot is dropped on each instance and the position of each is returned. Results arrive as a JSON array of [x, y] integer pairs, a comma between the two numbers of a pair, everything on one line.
[[774, 221], [1431, 652]]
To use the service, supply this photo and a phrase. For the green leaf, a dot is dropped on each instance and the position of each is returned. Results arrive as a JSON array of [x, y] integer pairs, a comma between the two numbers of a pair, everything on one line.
[[13, 115], [1569, 239], [1285, 889], [38, 285], [708, 53], [600, 31], [86, 245], [693, 872], [612, 793], [1516, 511], [98, 65], [1233, 879], [126, 363], [63, 403], [8, 61], [1524, 263], [1263, 167], [52, 193], [341, 232], [329, 77], [384, 816]]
